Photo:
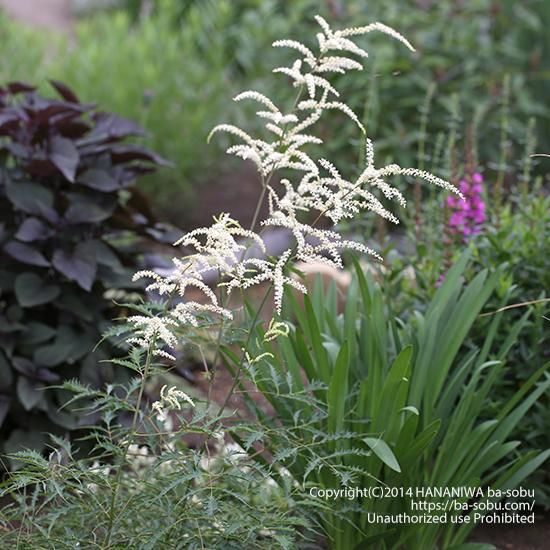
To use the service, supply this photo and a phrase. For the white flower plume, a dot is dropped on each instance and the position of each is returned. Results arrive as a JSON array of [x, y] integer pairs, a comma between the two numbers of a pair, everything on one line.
[[212, 248], [317, 189], [320, 187]]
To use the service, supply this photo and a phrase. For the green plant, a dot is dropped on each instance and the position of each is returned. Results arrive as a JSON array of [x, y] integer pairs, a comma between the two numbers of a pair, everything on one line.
[[70, 223], [449, 83], [137, 73], [511, 242], [516, 238], [364, 400], [397, 403], [143, 486]]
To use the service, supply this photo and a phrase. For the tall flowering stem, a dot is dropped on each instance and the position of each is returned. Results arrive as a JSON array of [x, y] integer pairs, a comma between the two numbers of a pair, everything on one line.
[[312, 185]]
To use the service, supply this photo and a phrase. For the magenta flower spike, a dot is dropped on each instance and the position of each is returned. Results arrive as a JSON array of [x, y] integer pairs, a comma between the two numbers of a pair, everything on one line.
[[467, 216]]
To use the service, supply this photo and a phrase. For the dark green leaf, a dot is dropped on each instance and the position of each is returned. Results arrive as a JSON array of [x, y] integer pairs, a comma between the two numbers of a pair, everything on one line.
[[381, 449]]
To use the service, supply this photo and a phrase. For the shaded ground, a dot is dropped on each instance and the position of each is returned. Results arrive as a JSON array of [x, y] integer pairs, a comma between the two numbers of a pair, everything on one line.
[[517, 537], [235, 192]]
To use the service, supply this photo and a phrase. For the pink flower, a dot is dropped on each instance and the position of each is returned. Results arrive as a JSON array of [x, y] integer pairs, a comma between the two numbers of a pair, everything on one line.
[[467, 215], [477, 178]]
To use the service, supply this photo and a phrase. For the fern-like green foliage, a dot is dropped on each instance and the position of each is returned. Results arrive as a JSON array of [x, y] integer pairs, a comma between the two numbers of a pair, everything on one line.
[[363, 400], [150, 482]]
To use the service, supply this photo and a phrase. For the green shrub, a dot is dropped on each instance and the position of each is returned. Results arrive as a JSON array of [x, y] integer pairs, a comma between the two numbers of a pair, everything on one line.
[[70, 222], [471, 59], [513, 243], [517, 236], [364, 400]]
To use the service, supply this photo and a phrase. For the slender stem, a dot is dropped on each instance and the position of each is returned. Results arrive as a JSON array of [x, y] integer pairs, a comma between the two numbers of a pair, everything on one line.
[[129, 439], [243, 356], [513, 306], [259, 203]]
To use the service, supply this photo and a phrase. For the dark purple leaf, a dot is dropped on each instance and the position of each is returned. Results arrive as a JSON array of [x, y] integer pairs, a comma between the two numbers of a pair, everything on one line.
[[45, 375], [6, 372], [36, 333], [31, 230], [64, 155], [17, 150], [99, 180], [25, 254], [31, 290], [83, 209], [21, 440], [72, 128], [130, 173], [9, 120], [18, 87], [68, 347], [140, 203], [77, 303], [106, 256], [128, 153], [29, 392], [24, 366], [64, 91], [5, 403], [43, 108], [92, 149], [79, 266], [111, 126], [30, 197], [41, 167], [6, 280], [9, 325]]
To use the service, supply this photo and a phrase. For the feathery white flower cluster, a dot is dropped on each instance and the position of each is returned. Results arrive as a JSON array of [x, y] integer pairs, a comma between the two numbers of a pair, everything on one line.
[[319, 188], [149, 330], [215, 249], [170, 400]]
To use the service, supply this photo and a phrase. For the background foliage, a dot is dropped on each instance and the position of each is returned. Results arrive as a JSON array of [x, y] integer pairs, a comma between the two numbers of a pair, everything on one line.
[[172, 70]]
